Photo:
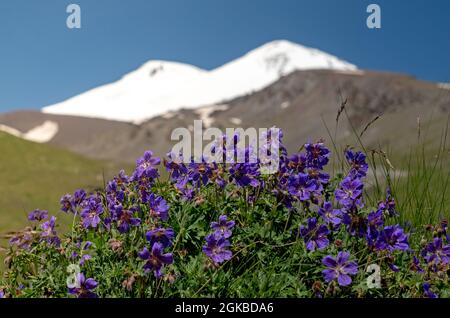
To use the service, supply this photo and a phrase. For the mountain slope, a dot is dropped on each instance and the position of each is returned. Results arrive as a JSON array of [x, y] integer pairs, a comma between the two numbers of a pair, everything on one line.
[[300, 103], [36, 176], [160, 86]]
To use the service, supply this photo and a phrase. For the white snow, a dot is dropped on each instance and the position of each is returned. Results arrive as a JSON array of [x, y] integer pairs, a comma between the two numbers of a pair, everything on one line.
[[161, 86], [40, 134], [236, 121], [285, 105], [444, 85], [206, 112], [11, 131]]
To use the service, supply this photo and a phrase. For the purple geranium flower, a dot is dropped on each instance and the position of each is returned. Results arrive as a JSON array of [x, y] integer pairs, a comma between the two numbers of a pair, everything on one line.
[[66, 203], [199, 173], [145, 167], [349, 192], [84, 288], [158, 207], [375, 219], [223, 227], [314, 235], [175, 166], [427, 291], [302, 186], [388, 205], [318, 175], [339, 268], [78, 198], [161, 235], [38, 215], [357, 161], [317, 155], [415, 265], [245, 174], [71, 203], [155, 260], [49, 233], [91, 212], [436, 253], [125, 218], [217, 249], [392, 238], [330, 215]]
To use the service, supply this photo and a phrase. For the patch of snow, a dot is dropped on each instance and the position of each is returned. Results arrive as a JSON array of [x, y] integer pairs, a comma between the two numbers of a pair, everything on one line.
[[206, 112], [285, 105], [40, 134], [11, 131], [444, 85], [161, 86], [43, 133], [169, 115], [236, 121]]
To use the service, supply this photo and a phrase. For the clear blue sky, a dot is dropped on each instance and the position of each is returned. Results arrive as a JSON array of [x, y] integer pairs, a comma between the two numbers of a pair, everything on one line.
[[43, 62]]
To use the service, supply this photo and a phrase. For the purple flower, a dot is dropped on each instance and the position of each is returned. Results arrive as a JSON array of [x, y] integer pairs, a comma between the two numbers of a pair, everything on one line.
[[160, 235], [392, 238], [199, 173], [357, 161], [436, 253], [314, 235], [330, 215], [114, 193], [49, 233], [158, 207], [78, 198], [375, 219], [155, 260], [2, 293], [317, 155], [296, 162], [245, 174], [145, 167], [349, 192], [427, 291], [388, 205], [339, 268], [302, 186], [66, 203], [71, 203], [223, 227], [23, 239], [415, 265], [84, 258], [318, 175], [225, 147], [91, 212], [85, 287], [38, 215], [217, 249], [175, 166], [125, 218], [374, 223]]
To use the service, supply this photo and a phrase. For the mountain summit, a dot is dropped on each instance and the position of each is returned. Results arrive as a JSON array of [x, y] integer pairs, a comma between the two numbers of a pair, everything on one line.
[[158, 87]]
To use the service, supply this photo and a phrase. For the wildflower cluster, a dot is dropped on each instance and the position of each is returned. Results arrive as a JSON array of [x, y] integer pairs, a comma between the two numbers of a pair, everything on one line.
[[217, 243], [205, 228]]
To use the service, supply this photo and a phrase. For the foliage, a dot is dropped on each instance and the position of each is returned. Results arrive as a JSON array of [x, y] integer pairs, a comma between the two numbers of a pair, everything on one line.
[[227, 230]]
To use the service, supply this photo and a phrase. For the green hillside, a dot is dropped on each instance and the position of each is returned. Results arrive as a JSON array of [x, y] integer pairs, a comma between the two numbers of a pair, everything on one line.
[[36, 175]]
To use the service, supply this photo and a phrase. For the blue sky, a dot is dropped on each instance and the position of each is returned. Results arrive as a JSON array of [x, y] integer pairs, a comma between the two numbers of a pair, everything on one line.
[[43, 62]]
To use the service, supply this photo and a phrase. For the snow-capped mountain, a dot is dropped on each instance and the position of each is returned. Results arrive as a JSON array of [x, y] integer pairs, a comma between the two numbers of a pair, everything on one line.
[[158, 87]]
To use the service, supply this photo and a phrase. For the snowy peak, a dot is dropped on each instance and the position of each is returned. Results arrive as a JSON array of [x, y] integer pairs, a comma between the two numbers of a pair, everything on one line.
[[158, 87], [284, 57]]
